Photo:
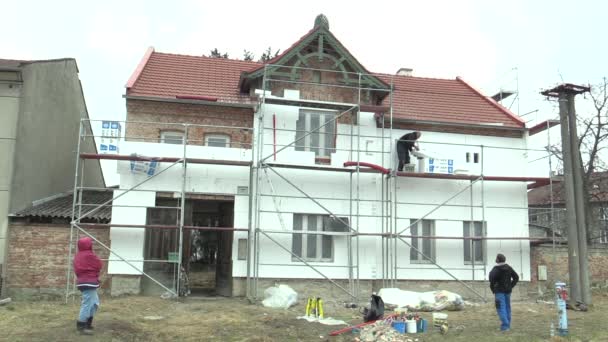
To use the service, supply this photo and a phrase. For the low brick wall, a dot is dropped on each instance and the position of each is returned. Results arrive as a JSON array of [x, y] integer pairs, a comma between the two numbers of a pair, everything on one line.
[[556, 262], [37, 259]]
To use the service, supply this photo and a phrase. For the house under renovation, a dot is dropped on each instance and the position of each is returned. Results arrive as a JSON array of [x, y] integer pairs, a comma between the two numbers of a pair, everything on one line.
[[237, 174]]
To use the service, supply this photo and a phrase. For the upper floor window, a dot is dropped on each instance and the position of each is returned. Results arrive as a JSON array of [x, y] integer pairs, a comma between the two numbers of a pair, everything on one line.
[[172, 137], [473, 248], [322, 140], [423, 250], [217, 140]]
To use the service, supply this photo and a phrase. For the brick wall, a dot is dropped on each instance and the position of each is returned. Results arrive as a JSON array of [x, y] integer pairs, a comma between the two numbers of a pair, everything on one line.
[[544, 255], [37, 258], [159, 114], [321, 84]]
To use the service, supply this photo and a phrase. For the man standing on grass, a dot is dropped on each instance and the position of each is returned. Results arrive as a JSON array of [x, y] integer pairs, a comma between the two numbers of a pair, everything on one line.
[[502, 280]]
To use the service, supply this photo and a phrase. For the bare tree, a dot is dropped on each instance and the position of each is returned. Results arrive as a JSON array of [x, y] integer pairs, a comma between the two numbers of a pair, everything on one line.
[[268, 55], [248, 56], [592, 124]]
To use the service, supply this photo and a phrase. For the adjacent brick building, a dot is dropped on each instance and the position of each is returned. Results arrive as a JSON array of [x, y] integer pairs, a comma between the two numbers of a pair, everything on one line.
[[39, 240]]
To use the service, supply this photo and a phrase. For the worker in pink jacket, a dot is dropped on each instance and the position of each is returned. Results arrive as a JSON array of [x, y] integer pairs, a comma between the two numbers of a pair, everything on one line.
[[87, 267]]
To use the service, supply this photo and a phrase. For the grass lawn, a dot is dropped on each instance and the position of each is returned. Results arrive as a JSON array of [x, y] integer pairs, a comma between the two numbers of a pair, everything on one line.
[[195, 319]]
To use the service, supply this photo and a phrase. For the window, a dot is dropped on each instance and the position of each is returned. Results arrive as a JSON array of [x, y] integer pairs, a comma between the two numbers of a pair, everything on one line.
[[242, 249], [473, 249], [311, 247], [424, 245], [322, 140], [171, 137], [217, 140], [603, 226]]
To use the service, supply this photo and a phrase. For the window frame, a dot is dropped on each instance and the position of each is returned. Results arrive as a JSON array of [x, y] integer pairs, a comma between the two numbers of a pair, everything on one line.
[[603, 226], [227, 137], [414, 230], [328, 131], [163, 137], [303, 239], [472, 257]]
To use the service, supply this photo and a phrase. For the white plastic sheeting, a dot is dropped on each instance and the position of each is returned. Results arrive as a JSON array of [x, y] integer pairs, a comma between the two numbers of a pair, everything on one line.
[[422, 301], [281, 296]]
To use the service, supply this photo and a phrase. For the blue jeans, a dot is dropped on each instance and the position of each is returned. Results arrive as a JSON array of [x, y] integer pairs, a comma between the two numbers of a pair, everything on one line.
[[503, 308], [88, 305]]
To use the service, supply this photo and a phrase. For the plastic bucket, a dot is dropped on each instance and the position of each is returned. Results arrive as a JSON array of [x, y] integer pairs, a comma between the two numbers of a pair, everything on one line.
[[411, 326], [399, 326], [421, 325]]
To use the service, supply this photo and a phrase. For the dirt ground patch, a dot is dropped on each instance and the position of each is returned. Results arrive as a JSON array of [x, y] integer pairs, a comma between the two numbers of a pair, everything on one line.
[[128, 319]]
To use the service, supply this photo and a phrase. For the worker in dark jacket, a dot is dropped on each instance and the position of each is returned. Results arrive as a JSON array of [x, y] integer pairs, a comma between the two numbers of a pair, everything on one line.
[[87, 267], [502, 281], [405, 145]]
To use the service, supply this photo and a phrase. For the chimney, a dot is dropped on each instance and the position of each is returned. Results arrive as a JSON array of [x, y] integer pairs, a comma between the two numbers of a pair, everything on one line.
[[405, 72]]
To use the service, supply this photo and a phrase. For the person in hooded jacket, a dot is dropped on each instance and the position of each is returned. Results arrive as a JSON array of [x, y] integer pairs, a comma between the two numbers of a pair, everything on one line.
[[87, 267], [502, 281]]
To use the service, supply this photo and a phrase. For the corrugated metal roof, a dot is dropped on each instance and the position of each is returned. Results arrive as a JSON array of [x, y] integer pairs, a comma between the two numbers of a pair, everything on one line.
[[60, 206]]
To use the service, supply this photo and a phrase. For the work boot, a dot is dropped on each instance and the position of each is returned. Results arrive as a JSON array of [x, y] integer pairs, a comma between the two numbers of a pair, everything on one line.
[[90, 323], [82, 328]]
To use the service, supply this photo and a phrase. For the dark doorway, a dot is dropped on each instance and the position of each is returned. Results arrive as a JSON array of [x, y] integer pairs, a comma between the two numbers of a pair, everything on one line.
[[206, 254], [209, 252]]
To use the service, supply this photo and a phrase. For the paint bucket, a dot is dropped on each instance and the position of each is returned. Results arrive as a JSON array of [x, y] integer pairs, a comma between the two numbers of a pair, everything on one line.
[[399, 326], [411, 326], [421, 325]]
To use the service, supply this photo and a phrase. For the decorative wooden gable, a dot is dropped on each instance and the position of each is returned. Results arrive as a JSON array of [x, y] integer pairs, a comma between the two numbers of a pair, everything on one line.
[[318, 58]]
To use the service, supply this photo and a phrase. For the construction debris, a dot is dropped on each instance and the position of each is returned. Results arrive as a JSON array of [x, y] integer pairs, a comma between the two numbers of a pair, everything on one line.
[[422, 301], [382, 331], [5, 301]]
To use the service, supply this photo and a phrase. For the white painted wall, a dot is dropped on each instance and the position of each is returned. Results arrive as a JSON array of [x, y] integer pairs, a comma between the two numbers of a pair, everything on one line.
[[427, 193]]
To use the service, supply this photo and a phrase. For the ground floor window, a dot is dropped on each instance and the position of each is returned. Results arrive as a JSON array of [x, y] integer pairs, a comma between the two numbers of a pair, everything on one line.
[[423, 250], [315, 247], [473, 248]]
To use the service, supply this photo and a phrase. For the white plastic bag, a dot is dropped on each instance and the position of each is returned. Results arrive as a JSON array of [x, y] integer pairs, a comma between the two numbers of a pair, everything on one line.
[[281, 296]]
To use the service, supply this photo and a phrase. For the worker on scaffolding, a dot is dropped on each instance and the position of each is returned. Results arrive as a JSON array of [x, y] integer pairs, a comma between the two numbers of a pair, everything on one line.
[[405, 145]]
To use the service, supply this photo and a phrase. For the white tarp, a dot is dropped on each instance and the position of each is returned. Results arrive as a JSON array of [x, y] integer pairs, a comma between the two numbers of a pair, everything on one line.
[[422, 301], [281, 296]]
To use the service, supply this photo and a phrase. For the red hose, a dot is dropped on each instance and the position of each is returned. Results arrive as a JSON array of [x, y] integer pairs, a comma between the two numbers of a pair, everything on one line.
[[370, 165]]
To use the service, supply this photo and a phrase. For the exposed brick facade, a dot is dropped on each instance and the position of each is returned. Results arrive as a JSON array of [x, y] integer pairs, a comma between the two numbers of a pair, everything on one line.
[[37, 258], [158, 114], [558, 270]]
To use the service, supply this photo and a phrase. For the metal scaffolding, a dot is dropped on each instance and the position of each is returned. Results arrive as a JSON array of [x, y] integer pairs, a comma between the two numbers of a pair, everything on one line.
[[263, 168]]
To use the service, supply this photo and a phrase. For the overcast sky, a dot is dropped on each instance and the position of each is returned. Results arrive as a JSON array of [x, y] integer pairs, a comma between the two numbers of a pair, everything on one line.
[[491, 44]]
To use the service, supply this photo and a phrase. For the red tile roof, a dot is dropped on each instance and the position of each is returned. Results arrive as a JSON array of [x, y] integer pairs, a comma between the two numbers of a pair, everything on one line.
[[426, 99], [169, 76], [444, 100]]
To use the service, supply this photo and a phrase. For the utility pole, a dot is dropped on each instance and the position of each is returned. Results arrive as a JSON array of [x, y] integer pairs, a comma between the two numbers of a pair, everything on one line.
[[579, 194], [574, 196]]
